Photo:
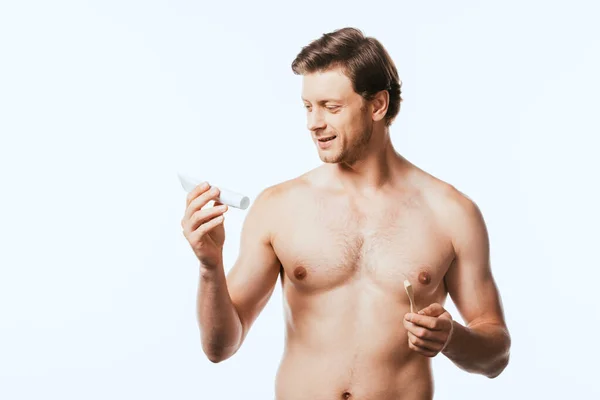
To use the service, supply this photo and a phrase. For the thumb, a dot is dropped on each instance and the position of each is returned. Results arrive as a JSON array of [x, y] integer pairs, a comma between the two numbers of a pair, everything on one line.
[[433, 310]]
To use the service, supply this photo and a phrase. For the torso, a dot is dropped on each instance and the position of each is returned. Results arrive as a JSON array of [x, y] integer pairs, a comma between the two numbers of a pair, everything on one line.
[[344, 262]]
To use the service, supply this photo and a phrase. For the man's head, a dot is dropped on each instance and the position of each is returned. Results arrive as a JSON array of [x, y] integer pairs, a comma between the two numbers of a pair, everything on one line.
[[350, 88]]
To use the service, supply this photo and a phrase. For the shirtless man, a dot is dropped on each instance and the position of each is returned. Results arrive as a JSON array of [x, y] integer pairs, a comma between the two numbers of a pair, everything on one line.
[[343, 238]]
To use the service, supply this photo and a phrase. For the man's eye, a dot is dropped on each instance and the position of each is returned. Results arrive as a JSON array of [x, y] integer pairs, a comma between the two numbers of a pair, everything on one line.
[[332, 108]]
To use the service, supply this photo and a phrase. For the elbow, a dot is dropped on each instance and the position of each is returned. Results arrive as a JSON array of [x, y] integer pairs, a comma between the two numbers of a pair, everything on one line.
[[219, 346], [217, 355], [215, 358], [219, 351], [498, 367], [501, 362]]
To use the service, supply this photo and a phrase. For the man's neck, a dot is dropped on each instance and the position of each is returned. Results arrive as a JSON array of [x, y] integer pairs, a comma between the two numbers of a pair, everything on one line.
[[375, 171]]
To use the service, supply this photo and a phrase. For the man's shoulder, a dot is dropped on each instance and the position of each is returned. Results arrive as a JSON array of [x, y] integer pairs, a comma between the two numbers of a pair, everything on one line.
[[284, 192], [272, 204], [447, 201], [458, 216]]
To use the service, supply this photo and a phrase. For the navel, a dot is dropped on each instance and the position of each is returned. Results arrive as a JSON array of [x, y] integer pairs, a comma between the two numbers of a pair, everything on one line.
[[346, 395], [424, 278], [300, 273]]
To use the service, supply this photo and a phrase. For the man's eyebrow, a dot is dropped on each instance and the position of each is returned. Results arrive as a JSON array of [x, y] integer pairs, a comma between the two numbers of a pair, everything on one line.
[[324, 101]]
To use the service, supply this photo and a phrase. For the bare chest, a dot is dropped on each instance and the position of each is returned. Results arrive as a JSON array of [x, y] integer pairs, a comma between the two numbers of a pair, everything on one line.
[[326, 244]]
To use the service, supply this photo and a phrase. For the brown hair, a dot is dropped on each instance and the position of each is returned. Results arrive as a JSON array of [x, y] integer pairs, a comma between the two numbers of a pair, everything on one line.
[[363, 60]]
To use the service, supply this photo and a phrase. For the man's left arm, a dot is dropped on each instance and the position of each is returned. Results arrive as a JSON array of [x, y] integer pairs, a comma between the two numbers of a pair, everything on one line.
[[483, 345]]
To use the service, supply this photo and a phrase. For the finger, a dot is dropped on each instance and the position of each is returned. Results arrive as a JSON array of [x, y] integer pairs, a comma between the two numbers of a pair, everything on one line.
[[423, 320], [425, 344], [425, 352], [424, 333], [193, 196], [433, 310], [200, 201], [207, 227], [202, 216], [197, 191]]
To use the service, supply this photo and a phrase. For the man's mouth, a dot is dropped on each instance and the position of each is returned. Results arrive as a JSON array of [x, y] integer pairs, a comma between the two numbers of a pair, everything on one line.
[[327, 139]]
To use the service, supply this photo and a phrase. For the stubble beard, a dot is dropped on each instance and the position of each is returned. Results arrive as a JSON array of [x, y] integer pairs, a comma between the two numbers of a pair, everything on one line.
[[352, 153]]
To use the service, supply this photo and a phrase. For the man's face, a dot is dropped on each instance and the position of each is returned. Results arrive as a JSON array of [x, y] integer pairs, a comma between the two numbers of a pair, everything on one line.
[[335, 110]]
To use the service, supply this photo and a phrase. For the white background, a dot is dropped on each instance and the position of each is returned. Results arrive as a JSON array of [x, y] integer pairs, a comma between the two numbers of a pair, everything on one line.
[[102, 102]]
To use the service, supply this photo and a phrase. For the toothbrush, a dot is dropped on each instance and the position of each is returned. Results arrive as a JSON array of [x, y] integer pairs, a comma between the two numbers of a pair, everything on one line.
[[411, 296]]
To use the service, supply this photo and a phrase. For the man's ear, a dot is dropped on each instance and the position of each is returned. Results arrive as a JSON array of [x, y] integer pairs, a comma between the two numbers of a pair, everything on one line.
[[380, 104]]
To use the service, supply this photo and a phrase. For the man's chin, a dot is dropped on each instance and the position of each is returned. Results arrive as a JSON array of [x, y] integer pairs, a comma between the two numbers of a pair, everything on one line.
[[327, 159], [330, 156]]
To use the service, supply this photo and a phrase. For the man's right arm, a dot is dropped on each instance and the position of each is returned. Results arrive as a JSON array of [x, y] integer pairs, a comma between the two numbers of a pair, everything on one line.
[[228, 306]]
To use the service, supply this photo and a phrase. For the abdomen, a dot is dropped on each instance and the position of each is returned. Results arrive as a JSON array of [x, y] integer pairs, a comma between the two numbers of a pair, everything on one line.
[[350, 343]]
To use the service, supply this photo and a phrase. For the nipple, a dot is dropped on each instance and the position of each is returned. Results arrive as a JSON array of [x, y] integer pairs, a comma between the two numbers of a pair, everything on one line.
[[300, 273], [424, 278]]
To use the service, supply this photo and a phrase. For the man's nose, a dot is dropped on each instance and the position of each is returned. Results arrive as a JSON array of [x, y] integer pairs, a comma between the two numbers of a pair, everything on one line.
[[315, 120]]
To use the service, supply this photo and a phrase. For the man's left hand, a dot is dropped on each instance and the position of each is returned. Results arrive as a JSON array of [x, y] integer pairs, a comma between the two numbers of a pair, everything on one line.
[[430, 330]]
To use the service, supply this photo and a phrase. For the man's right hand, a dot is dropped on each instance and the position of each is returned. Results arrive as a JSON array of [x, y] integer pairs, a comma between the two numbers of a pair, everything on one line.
[[203, 228]]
